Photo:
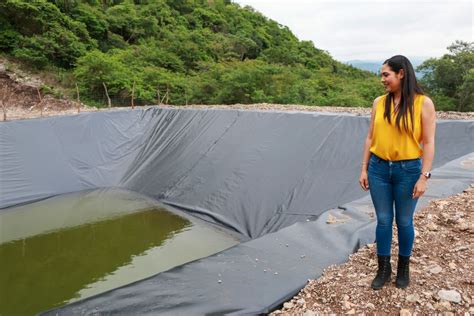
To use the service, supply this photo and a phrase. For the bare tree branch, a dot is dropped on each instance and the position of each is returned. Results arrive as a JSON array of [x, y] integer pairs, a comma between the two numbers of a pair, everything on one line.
[[107, 94], [133, 94]]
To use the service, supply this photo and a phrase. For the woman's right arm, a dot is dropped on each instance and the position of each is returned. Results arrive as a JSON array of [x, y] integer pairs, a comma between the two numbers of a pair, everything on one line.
[[363, 179]]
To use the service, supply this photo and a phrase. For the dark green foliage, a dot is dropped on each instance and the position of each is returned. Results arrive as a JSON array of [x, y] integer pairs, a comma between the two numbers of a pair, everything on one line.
[[95, 20], [200, 51], [450, 79], [37, 32], [9, 36]]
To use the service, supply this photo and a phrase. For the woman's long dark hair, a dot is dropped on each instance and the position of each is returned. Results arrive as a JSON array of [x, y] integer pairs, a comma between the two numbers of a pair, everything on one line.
[[409, 87]]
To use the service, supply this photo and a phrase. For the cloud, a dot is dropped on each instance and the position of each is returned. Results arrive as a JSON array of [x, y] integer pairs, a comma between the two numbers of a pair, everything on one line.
[[374, 29]]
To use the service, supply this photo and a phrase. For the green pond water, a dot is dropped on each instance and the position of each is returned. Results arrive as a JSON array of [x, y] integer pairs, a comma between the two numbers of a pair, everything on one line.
[[77, 245]]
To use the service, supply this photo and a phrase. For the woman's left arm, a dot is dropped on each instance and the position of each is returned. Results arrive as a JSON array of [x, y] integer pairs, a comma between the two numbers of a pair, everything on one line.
[[428, 126]]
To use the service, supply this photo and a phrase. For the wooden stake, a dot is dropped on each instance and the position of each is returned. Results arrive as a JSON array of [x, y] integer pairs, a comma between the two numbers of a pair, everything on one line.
[[158, 91], [109, 102], [6, 92], [78, 100], [40, 101], [4, 108], [133, 94], [165, 97]]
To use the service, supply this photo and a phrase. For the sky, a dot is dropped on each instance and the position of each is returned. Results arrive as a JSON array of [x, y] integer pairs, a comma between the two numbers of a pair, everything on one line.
[[374, 29]]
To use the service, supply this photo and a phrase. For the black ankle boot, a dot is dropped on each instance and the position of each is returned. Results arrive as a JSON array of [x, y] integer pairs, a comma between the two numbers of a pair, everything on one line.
[[383, 273], [403, 272]]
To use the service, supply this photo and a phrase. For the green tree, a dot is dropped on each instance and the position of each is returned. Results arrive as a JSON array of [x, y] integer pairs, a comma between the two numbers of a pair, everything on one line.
[[466, 92], [449, 78], [43, 33], [201, 51], [127, 21], [95, 20], [106, 69]]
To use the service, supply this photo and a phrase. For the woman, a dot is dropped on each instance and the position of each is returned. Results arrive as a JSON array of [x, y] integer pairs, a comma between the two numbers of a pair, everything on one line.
[[398, 153]]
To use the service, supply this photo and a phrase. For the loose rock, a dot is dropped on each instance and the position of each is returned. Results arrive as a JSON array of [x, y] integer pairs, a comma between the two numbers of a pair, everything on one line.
[[413, 298], [405, 312], [443, 306], [434, 269], [450, 295]]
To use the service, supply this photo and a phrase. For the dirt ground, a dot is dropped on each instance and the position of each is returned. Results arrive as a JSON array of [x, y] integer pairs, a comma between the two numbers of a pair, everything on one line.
[[441, 267], [442, 271]]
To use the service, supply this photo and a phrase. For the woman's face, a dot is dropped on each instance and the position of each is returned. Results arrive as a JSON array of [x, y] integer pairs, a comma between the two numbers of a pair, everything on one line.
[[390, 79]]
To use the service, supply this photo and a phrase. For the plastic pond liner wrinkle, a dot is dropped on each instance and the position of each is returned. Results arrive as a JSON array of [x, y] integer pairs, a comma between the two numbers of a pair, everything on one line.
[[273, 179]]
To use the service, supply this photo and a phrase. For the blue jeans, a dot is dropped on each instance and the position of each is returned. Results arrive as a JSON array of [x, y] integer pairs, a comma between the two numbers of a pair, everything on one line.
[[393, 182]]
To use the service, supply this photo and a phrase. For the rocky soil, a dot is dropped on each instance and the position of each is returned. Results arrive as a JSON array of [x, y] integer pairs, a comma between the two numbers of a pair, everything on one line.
[[442, 271], [54, 107], [21, 98], [448, 115]]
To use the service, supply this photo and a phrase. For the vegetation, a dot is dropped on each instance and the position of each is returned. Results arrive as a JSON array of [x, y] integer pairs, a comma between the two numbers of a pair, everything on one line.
[[199, 51], [450, 79], [186, 51]]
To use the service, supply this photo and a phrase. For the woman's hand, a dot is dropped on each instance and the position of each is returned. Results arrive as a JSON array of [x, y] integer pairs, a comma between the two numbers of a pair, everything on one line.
[[364, 180], [420, 188]]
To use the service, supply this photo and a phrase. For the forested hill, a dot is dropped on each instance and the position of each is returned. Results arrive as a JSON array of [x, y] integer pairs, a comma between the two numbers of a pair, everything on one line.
[[186, 51]]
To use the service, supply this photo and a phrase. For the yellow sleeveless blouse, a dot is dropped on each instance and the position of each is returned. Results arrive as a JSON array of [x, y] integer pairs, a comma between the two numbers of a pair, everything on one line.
[[388, 142]]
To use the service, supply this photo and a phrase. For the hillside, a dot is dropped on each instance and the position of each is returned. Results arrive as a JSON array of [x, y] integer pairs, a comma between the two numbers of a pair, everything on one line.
[[19, 93], [179, 52]]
